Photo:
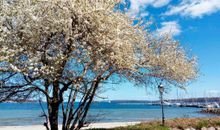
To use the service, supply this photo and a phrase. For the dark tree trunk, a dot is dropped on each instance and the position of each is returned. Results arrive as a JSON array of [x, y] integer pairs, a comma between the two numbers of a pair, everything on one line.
[[53, 116], [54, 107]]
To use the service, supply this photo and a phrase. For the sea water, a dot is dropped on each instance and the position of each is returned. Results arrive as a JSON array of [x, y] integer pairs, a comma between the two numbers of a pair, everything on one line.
[[14, 114]]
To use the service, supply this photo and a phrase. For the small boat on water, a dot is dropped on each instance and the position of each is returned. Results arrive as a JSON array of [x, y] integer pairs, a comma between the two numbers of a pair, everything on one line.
[[177, 104], [167, 103], [212, 105]]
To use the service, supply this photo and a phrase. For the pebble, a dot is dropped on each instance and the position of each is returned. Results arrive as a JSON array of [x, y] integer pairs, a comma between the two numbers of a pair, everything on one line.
[[204, 128], [211, 128]]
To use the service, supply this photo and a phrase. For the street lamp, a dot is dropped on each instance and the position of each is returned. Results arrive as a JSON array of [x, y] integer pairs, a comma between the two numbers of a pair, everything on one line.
[[161, 90]]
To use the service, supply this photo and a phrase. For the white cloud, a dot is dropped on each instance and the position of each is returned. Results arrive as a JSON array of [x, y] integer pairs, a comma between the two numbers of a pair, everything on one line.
[[171, 28], [160, 3], [138, 7], [144, 14], [195, 8]]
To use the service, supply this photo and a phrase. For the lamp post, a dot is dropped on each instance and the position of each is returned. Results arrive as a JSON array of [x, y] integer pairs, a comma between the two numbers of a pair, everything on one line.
[[161, 90]]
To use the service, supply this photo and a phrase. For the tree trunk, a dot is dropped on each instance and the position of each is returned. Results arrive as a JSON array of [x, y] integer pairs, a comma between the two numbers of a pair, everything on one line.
[[54, 107], [53, 116]]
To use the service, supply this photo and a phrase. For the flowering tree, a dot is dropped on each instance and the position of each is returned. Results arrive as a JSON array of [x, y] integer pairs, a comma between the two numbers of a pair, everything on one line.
[[64, 49]]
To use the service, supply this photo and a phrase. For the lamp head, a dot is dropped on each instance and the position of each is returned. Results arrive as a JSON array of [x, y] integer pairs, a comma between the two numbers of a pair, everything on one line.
[[161, 88]]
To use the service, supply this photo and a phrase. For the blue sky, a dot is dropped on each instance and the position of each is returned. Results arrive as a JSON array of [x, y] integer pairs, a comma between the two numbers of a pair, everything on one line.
[[196, 24]]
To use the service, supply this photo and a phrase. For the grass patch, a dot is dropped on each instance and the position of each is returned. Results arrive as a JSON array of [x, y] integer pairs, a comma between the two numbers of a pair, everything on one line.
[[217, 123], [203, 123]]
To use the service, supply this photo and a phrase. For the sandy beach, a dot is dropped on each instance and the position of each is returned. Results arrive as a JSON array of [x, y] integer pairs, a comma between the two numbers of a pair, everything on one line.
[[94, 125]]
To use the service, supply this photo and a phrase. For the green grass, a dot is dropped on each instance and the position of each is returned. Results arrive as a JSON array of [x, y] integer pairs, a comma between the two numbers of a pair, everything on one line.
[[201, 124], [217, 123]]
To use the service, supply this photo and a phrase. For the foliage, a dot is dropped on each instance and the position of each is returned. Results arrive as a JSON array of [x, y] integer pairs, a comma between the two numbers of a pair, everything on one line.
[[91, 34]]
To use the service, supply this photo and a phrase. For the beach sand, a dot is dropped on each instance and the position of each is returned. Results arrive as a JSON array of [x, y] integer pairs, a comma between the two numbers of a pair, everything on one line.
[[94, 125]]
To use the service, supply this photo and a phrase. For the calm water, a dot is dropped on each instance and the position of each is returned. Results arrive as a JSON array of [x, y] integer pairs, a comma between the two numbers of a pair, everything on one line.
[[29, 113]]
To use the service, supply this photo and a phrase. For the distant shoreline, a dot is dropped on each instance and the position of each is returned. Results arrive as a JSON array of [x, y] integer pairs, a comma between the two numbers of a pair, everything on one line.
[[199, 99]]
